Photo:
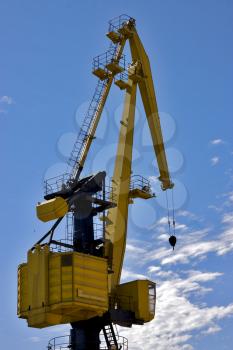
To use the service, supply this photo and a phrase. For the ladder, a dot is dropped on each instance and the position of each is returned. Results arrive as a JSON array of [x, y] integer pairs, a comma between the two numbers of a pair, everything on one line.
[[105, 66], [77, 157], [86, 125], [110, 337], [69, 228]]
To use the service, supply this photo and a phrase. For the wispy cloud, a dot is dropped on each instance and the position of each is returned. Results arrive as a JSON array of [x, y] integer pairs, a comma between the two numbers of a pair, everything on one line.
[[134, 249], [231, 196], [212, 330], [176, 317], [215, 208], [216, 142], [196, 246], [224, 202], [186, 214], [129, 275], [214, 160], [164, 222], [7, 100]]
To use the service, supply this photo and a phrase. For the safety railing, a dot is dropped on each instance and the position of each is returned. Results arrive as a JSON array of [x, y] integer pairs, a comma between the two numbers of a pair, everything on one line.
[[56, 183], [108, 194], [102, 60], [98, 230], [140, 182], [61, 246], [118, 22], [122, 343], [64, 343], [60, 343], [66, 244]]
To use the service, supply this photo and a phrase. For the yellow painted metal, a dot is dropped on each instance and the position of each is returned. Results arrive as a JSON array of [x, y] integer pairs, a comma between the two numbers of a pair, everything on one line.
[[134, 72], [147, 91], [23, 302], [126, 30], [114, 67], [138, 193], [114, 36], [121, 84], [116, 228], [56, 288], [99, 110], [137, 296], [100, 73], [52, 209]]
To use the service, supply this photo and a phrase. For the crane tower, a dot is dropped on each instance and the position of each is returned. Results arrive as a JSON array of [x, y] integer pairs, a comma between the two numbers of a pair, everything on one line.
[[76, 280]]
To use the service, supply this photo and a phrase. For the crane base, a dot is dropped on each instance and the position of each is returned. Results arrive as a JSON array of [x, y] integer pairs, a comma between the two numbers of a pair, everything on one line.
[[84, 335]]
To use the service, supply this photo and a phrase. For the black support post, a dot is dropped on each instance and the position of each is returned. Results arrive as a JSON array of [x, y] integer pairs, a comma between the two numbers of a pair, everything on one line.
[[85, 334]]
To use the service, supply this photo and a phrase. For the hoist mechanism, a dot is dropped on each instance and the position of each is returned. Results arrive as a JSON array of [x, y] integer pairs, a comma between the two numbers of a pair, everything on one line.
[[76, 280]]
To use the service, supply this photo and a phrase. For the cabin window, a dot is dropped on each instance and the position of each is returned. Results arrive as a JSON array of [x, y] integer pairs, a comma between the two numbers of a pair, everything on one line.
[[152, 298]]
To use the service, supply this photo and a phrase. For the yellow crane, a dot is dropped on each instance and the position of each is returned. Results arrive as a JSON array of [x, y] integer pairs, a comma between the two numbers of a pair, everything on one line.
[[78, 281]]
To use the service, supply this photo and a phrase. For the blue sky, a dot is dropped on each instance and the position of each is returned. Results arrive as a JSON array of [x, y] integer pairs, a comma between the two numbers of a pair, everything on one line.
[[46, 82]]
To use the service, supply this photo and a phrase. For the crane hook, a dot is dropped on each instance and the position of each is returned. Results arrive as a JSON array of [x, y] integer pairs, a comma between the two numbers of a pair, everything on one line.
[[172, 241]]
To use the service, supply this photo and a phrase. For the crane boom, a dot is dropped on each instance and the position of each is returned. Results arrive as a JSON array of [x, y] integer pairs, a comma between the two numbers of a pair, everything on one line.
[[147, 91], [116, 230], [139, 74]]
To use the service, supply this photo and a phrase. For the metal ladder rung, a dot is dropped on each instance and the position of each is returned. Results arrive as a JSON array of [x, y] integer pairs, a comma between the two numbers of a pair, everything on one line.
[[92, 109]]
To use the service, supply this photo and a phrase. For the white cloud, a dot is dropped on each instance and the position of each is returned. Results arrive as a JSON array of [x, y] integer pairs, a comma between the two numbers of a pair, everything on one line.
[[216, 142], [186, 213], [181, 227], [214, 160], [227, 218], [195, 248], [163, 237], [176, 317], [189, 252], [153, 269], [134, 249], [231, 196], [7, 100], [203, 276], [215, 208], [128, 275], [162, 221], [189, 246], [212, 330]]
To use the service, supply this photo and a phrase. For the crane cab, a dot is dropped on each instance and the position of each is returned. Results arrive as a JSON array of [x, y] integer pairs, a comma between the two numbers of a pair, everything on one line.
[[134, 302], [56, 288]]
